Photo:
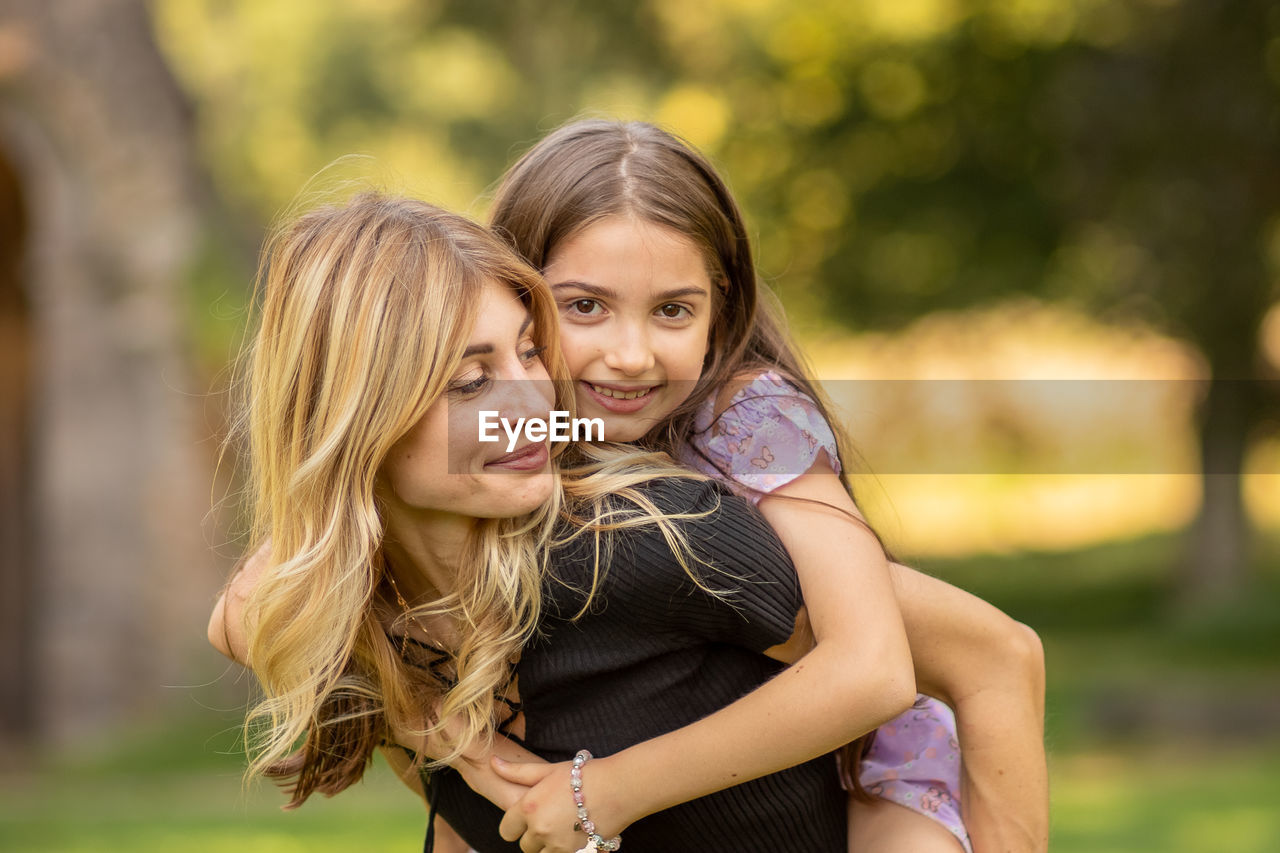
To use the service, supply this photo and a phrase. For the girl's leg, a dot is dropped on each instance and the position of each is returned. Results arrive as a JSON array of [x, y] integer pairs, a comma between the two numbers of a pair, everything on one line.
[[913, 770], [885, 827]]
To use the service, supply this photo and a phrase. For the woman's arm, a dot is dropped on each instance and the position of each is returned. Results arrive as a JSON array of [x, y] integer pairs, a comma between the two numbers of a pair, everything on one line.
[[990, 670], [446, 840], [857, 676]]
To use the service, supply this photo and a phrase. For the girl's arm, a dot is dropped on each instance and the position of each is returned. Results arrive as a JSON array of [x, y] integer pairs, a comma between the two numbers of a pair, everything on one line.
[[990, 670], [857, 676]]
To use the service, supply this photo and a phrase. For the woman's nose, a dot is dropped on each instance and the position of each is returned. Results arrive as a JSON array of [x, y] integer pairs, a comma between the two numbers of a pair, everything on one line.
[[630, 352], [527, 398]]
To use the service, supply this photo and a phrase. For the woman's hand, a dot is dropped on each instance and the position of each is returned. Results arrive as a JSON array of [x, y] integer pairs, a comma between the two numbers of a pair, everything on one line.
[[474, 766], [543, 820], [227, 630]]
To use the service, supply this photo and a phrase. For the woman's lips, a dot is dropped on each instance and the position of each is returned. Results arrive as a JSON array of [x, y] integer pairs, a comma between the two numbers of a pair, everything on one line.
[[531, 457], [603, 396]]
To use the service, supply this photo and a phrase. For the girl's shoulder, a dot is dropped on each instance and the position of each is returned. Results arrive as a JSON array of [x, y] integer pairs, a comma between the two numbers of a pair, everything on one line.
[[760, 432], [761, 383]]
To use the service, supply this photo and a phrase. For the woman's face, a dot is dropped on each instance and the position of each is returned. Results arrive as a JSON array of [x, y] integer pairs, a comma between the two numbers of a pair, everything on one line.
[[635, 306], [440, 467]]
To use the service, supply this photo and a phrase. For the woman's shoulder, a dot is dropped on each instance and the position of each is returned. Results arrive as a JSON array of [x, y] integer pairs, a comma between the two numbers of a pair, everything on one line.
[[680, 553], [696, 504], [682, 493], [647, 521]]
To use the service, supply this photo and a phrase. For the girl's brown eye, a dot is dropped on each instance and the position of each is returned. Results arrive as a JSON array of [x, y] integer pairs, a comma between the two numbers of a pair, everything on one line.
[[583, 306], [672, 311]]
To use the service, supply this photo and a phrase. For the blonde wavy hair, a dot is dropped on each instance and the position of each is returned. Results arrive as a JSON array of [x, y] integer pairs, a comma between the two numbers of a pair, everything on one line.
[[365, 310]]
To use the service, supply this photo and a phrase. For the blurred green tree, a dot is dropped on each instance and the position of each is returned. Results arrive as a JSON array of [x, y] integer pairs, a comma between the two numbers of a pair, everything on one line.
[[1122, 156]]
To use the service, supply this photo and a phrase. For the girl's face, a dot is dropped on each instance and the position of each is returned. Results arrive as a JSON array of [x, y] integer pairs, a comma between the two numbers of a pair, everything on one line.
[[635, 305], [440, 467]]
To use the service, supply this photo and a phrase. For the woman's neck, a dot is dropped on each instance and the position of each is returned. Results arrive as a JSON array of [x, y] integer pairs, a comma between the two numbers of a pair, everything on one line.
[[424, 557]]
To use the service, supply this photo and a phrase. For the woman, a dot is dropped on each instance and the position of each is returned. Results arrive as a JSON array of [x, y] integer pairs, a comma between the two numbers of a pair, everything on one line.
[[384, 325]]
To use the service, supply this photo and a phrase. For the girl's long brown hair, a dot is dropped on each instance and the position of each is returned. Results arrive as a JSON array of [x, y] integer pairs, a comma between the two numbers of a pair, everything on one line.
[[591, 169]]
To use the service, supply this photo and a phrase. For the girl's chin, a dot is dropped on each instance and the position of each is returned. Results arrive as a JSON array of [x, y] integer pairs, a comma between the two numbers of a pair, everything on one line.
[[626, 430]]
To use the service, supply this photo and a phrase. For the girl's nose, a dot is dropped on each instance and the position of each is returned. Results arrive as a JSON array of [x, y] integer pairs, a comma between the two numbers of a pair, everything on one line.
[[631, 353]]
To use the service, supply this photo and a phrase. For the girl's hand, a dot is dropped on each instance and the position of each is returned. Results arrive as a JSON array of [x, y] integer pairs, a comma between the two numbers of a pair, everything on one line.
[[543, 819]]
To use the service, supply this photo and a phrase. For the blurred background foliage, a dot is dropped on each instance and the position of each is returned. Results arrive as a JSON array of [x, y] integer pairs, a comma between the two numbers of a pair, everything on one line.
[[948, 190]]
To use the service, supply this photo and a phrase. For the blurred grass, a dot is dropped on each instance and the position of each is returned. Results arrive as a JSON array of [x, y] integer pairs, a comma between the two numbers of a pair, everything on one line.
[[180, 790], [1161, 726], [1172, 800], [1125, 663]]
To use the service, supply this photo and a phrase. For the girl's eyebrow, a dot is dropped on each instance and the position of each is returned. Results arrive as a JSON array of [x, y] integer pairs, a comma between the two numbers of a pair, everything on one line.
[[487, 349], [597, 290], [593, 289], [682, 291]]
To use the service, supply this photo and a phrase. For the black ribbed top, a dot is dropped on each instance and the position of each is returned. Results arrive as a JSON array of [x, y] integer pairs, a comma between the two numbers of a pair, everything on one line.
[[655, 653]]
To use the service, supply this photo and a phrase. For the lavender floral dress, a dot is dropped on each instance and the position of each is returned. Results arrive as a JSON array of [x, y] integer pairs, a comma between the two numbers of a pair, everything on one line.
[[769, 435]]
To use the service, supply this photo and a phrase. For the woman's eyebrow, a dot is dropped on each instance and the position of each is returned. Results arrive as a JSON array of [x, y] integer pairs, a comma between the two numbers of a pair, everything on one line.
[[487, 349]]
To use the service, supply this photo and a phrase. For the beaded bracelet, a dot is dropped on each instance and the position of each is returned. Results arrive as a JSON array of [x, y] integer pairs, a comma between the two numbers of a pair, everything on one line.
[[594, 840]]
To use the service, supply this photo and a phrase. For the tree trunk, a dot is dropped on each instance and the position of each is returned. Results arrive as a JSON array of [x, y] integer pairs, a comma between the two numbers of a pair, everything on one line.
[[17, 662], [1216, 564], [100, 138]]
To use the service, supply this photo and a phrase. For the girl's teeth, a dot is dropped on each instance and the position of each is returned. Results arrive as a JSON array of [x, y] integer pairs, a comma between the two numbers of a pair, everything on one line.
[[620, 395]]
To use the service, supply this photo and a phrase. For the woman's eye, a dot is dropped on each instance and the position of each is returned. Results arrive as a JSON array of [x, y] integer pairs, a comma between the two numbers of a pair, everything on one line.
[[673, 311], [464, 388], [532, 353]]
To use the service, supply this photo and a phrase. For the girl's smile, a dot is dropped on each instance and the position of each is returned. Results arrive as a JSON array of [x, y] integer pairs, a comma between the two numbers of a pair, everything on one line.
[[617, 398], [635, 316]]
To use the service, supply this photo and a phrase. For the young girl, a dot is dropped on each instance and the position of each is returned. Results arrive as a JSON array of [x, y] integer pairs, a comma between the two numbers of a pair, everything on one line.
[[649, 260]]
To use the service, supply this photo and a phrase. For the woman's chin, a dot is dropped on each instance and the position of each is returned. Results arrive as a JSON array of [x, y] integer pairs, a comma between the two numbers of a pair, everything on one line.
[[526, 497]]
